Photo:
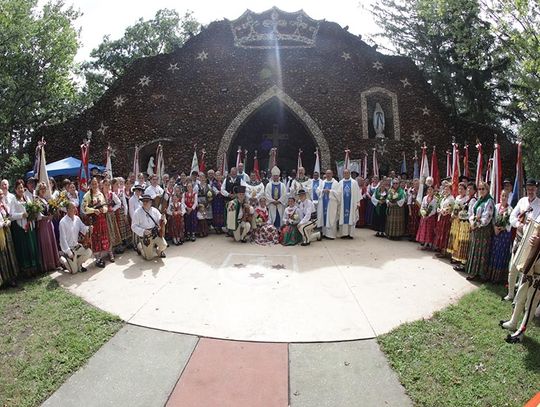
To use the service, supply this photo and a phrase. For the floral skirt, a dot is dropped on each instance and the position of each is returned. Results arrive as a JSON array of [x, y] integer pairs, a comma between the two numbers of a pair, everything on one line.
[[266, 235], [100, 234], [442, 233], [9, 268], [115, 238], [125, 231]]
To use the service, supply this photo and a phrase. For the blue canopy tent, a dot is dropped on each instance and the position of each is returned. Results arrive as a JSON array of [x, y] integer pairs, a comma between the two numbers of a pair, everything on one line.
[[68, 167]]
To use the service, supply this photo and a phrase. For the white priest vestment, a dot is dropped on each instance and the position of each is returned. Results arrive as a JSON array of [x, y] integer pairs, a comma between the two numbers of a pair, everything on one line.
[[349, 196], [276, 191], [327, 207]]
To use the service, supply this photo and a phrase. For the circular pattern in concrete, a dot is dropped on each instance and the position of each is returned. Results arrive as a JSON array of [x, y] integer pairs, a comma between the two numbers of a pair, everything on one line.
[[329, 291]]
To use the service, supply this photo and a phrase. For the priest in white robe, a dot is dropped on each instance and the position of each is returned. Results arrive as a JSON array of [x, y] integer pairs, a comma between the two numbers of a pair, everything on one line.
[[254, 189], [349, 197], [313, 189], [300, 182], [327, 208], [276, 196]]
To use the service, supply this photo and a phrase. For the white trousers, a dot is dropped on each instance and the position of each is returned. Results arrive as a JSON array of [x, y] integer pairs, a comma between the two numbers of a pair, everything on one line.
[[525, 298], [157, 245], [80, 255], [306, 230], [330, 231], [512, 270], [241, 231], [347, 230]]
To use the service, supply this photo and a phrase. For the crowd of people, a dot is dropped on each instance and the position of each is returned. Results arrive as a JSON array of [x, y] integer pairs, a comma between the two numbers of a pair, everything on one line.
[[45, 227]]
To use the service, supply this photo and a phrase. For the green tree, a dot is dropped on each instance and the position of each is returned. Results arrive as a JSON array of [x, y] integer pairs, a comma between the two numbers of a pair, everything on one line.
[[37, 49], [162, 34], [456, 50]]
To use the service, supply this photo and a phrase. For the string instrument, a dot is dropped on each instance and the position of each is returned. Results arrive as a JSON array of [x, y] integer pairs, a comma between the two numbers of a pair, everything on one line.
[[85, 240], [247, 215], [162, 229], [527, 254], [522, 218]]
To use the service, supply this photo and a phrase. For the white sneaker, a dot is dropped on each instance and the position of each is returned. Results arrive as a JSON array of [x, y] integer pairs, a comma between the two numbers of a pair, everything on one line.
[[507, 325], [508, 298]]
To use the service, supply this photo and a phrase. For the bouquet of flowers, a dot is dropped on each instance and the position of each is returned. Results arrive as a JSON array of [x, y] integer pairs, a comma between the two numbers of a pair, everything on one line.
[[59, 203], [502, 220], [209, 196], [457, 208], [463, 213], [33, 209], [392, 196], [446, 209], [426, 211]]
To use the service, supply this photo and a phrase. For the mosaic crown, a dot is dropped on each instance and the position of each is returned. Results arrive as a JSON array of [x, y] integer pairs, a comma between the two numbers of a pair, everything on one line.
[[274, 28]]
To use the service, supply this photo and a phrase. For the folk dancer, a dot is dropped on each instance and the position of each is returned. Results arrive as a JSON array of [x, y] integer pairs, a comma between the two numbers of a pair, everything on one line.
[[239, 215], [308, 219], [73, 254], [147, 224], [526, 209]]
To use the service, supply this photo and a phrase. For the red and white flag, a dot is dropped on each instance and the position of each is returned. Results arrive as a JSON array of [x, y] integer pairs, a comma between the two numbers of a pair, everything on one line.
[[455, 169], [83, 171], [42, 175], [479, 159], [347, 162], [424, 173], [194, 161], [108, 162], [256, 166], [466, 172], [224, 169], [202, 163], [365, 175], [496, 175], [448, 164], [488, 171]]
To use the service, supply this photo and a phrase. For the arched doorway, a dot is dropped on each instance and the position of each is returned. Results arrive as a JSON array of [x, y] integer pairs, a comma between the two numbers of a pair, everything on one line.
[[274, 108], [274, 125]]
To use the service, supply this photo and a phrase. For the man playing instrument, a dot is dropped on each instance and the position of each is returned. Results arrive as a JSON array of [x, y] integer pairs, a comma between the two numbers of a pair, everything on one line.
[[73, 253], [147, 224], [239, 214], [526, 209]]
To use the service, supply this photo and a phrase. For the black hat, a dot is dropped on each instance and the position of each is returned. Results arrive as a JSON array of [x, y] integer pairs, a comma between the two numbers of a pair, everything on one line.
[[137, 187], [145, 197], [240, 189], [507, 181], [531, 182], [301, 192], [463, 178]]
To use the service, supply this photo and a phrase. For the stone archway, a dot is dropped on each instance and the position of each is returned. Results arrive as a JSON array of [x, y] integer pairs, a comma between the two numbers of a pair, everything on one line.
[[302, 115]]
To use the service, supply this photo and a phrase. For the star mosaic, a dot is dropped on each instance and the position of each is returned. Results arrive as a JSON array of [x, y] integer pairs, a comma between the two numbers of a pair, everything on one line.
[[346, 56], [144, 81], [278, 266], [417, 137], [119, 101], [102, 128], [239, 265], [377, 65], [256, 275], [173, 67], [425, 111], [203, 55], [405, 82]]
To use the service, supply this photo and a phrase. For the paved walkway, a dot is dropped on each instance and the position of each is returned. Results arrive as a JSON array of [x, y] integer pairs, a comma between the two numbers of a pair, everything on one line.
[[147, 367]]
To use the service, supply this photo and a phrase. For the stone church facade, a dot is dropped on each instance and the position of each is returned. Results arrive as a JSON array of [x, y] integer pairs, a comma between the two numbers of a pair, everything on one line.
[[271, 79]]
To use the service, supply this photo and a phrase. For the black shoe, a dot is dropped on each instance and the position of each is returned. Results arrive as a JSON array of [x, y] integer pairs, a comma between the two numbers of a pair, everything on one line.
[[243, 241], [350, 237], [459, 268], [83, 269], [100, 263], [514, 338], [304, 244], [162, 255], [344, 237]]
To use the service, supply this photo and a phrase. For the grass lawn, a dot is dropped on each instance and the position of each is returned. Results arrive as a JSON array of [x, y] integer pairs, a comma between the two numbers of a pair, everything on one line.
[[459, 357], [46, 334]]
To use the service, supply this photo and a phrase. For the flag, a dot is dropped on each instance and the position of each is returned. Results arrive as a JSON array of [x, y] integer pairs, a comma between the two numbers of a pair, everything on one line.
[[136, 168], [435, 169], [339, 168], [488, 171], [238, 156], [224, 169], [160, 163], [317, 167], [299, 161], [194, 161], [375, 163], [478, 177], [83, 171], [244, 159], [365, 165], [466, 162], [42, 175], [496, 175], [273, 158], [449, 171], [416, 170], [346, 162], [202, 164], [518, 182], [403, 164], [256, 166], [455, 169], [424, 173], [108, 162]]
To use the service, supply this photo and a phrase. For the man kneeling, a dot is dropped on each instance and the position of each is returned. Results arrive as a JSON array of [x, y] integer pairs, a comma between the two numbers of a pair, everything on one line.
[[308, 219], [239, 215], [73, 253], [146, 225]]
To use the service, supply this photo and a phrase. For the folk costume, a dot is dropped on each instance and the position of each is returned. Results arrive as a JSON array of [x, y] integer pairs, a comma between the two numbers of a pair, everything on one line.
[[413, 218], [501, 244], [462, 241], [46, 238], [73, 254], [9, 268], [239, 217], [190, 218], [218, 206], [480, 242], [370, 206], [146, 225], [265, 233], [308, 220], [327, 209], [459, 205], [444, 223], [361, 222], [289, 235], [24, 238], [276, 196], [379, 201], [395, 218], [92, 206], [175, 223], [428, 221]]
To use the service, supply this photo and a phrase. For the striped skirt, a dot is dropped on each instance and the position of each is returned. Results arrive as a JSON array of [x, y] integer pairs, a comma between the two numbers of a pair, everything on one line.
[[115, 238], [461, 242], [442, 232], [501, 250], [452, 236], [413, 220], [125, 231], [9, 269], [395, 221], [479, 251], [426, 229]]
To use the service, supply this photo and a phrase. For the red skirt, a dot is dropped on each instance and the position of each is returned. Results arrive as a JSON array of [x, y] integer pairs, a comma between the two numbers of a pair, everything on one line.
[[175, 227], [426, 229], [414, 220], [442, 232], [361, 214], [100, 233]]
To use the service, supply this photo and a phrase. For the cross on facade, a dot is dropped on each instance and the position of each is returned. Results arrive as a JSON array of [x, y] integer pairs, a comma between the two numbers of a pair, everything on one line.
[[275, 136]]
